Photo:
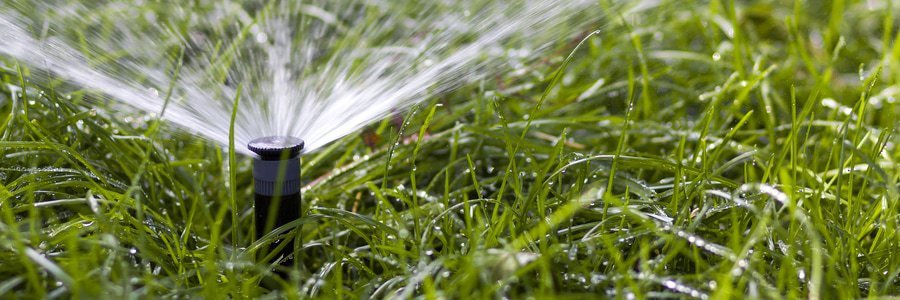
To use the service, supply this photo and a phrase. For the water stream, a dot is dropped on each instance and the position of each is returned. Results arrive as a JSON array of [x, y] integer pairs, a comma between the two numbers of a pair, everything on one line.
[[318, 70]]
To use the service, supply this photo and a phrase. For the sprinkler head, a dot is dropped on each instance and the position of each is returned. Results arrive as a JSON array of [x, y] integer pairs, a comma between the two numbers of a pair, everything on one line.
[[276, 182], [277, 164], [275, 147]]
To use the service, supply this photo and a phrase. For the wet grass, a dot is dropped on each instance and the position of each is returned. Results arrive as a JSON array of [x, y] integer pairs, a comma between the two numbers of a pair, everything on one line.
[[709, 150]]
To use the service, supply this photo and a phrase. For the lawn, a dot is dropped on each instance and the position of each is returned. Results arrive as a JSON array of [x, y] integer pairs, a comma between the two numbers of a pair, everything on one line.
[[668, 149]]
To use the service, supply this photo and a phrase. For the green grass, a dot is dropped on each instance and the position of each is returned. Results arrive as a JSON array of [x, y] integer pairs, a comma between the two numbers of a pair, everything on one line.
[[691, 150]]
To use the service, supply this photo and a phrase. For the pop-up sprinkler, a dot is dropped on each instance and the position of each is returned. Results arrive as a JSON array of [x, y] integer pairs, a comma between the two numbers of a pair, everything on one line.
[[276, 174]]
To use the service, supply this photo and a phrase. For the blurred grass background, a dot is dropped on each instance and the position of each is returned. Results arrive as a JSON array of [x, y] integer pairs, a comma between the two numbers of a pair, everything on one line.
[[713, 149]]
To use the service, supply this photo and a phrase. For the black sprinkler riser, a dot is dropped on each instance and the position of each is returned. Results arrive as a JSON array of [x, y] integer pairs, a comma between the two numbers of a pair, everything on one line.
[[276, 183], [266, 176]]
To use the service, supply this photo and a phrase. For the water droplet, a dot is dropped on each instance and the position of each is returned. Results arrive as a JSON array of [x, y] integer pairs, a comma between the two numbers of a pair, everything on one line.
[[670, 284]]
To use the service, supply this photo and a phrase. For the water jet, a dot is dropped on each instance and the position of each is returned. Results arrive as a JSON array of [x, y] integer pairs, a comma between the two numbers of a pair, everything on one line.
[[276, 184]]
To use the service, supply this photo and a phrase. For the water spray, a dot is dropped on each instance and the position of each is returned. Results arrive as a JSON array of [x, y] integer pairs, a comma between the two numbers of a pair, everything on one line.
[[276, 182]]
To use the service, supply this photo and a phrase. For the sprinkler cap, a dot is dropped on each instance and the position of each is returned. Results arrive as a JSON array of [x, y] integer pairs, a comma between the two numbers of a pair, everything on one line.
[[275, 147]]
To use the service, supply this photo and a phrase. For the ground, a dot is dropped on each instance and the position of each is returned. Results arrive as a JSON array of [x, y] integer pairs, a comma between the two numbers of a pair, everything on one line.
[[702, 150]]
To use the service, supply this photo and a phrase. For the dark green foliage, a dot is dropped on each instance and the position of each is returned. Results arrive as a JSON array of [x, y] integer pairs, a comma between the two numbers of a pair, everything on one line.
[[689, 150]]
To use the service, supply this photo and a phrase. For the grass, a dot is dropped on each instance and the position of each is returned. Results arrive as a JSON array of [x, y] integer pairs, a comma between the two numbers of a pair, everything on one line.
[[702, 150]]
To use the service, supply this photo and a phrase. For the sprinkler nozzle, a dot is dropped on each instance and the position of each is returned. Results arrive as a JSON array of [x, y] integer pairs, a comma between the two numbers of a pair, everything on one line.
[[276, 181], [274, 147]]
